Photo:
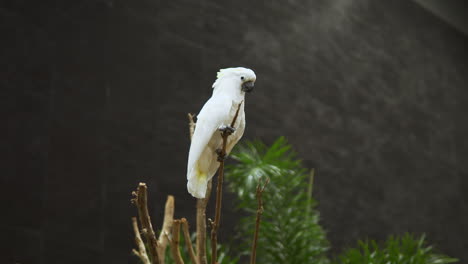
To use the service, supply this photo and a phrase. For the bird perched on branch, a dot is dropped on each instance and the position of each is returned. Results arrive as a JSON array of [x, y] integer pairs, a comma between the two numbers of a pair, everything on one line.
[[216, 115]]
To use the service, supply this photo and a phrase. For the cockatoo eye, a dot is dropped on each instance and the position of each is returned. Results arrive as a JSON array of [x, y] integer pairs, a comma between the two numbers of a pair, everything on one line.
[[242, 78]]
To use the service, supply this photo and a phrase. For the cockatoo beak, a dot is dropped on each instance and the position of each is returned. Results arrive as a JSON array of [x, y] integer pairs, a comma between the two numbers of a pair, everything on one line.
[[247, 86]]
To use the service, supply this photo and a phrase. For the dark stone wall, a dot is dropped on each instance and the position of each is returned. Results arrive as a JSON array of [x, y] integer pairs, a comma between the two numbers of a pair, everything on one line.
[[94, 96]]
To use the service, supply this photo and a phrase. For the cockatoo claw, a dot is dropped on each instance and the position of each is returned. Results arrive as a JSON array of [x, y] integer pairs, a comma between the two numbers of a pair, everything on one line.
[[227, 129]]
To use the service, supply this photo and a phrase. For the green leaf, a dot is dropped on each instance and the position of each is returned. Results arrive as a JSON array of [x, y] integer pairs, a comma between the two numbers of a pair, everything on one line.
[[289, 231], [396, 250]]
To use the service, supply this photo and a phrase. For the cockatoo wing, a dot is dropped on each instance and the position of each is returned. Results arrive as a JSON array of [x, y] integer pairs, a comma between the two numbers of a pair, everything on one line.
[[215, 113]]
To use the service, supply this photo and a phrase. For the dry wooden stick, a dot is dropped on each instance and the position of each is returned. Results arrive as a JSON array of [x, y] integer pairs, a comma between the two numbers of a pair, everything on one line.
[[175, 243], [141, 202], [219, 190], [201, 209], [259, 193], [163, 240], [201, 225], [141, 252], [191, 124], [188, 241]]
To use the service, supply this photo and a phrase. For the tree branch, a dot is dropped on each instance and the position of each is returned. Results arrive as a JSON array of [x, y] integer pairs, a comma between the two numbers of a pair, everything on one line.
[[188, 241], [259, 193], [141, 252], [141, 202], [201, 225], [191, 124], [163, 240], [219, 190], [201, 209], [175, 243]]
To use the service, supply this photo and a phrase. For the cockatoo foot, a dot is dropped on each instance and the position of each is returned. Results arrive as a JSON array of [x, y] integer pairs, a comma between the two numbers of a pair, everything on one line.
[[227, 129], [221, 155]]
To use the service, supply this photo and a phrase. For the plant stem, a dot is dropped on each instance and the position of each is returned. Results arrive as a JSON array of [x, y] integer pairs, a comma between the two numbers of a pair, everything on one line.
[[311, 183], [175, 242], [191, 124], [141, 201], [259, 193], [188, 241], [166, 227], [310, 187], [141, 252], [201, 208], [201, 225], [219, 190], [214, 228]]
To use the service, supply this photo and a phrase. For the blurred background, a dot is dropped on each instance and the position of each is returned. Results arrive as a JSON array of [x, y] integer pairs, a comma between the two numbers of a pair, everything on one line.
[[94, 97]]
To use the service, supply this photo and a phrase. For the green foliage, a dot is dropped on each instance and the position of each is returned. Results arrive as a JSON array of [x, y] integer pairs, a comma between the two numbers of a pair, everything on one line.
[[289, 231], [404, 250]]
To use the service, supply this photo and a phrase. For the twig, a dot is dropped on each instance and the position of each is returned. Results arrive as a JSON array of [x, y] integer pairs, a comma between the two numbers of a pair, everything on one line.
[[166, 227], [191, 124], [175, 243], [201, 209], [219, 191], [310, 187], [201, 225], [141, 202], [141, 252], [311, 183], [188, 241], [259, 193]]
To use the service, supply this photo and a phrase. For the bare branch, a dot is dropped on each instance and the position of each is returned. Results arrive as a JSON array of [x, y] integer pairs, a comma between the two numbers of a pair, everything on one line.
[[141, 252], [136, 253], [201, 209], [175, 243], [191, 124], [219, 191], [166, 227], [141, 202], [235, 116], [201, 225], [259, 193], [188, 241]]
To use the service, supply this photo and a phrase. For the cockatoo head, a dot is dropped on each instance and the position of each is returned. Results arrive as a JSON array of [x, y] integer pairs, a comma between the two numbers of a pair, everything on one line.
[[245, 78]]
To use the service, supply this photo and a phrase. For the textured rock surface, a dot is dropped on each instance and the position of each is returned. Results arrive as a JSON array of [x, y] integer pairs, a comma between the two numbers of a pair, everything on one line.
[[95, 96]]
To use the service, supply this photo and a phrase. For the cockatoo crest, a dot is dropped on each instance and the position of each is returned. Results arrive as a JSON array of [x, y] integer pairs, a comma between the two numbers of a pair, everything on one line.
[[248, 74]]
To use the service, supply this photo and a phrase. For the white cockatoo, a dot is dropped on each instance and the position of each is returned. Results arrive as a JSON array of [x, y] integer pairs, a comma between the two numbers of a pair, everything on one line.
[[216, 115]]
